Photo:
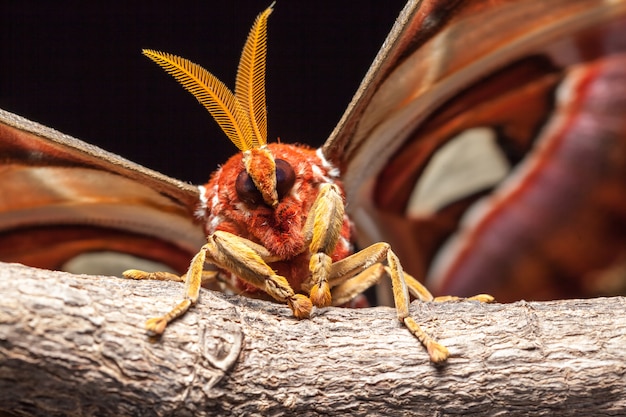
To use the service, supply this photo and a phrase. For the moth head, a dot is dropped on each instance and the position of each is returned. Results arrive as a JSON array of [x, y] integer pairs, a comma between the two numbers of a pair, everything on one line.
[[264, 179], [241, 114]]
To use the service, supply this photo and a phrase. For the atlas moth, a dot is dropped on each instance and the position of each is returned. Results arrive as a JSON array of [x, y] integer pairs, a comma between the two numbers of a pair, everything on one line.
[[541, 84], [274, 214]]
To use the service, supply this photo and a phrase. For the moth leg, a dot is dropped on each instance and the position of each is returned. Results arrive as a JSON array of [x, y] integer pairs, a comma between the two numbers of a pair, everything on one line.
[[207, 276], [159, 276], [347, 289], [193, 281], [483, 298], [374, 254], [419, 291], [246, 260], [323, 230]]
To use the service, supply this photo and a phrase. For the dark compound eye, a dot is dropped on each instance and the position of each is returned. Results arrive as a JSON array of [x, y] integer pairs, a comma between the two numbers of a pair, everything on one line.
[[246, 190], [285, 178], [250, 195]]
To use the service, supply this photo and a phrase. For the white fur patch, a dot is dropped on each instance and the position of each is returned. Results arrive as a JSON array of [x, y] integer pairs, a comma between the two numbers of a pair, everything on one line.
[[214, 221], [321, 176], [295, 190], [202, 207], [332, 170]]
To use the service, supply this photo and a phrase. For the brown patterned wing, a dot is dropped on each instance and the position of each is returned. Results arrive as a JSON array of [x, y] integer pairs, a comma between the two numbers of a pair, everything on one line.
[[487, 144], [62, 199]]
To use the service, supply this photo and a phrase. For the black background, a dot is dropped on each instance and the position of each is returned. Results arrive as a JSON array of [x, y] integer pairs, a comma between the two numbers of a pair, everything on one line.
[[77, 67]]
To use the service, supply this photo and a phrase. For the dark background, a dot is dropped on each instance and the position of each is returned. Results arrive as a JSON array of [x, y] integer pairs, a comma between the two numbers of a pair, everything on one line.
[[77, 66]]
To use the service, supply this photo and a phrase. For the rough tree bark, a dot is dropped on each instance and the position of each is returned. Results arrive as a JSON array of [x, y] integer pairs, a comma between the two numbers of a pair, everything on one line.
[[74, 345]]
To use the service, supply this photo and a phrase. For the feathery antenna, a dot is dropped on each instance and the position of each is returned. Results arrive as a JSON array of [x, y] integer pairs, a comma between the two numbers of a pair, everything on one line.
[[242, 115], [250, 83]]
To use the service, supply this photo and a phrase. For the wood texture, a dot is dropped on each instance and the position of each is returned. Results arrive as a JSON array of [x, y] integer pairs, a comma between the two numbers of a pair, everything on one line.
[[74, 345]]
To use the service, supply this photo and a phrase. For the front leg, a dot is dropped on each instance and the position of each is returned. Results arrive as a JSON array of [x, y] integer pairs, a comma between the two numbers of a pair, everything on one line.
[[323, 230], [248, 261], [243, 258]]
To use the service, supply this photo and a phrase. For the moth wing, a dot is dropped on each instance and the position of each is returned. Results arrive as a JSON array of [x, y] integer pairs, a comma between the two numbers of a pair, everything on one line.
[[445, 69], [61, 198]]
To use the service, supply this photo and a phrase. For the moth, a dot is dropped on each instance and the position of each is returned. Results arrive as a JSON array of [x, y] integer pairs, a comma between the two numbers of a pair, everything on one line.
[[485, 145]]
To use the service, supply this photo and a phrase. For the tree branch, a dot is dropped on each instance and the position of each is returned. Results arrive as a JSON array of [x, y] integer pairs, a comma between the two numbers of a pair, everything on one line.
[[75, 345]]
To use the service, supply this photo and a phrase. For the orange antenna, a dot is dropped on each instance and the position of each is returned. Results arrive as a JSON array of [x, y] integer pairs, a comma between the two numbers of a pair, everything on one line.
[[242, 115]]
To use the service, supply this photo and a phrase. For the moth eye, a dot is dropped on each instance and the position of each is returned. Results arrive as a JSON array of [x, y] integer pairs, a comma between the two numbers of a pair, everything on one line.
[[246, 190], [285, 177]]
